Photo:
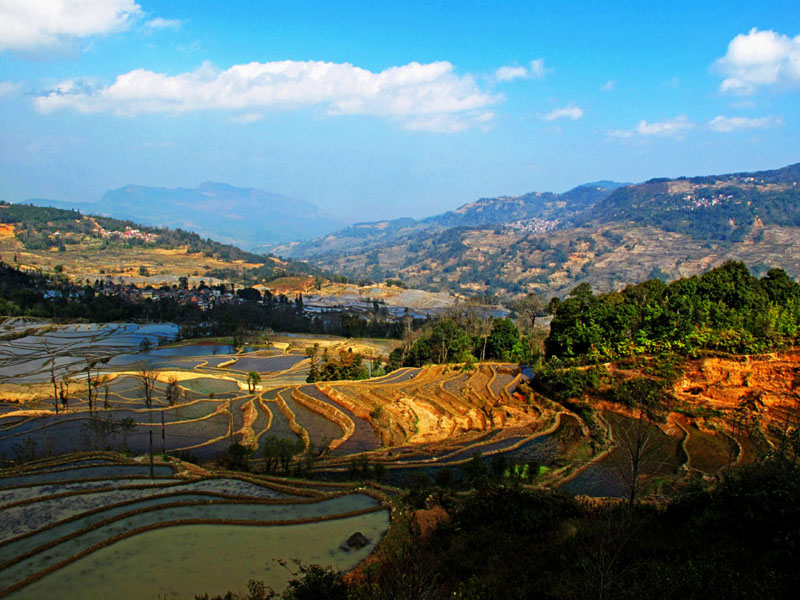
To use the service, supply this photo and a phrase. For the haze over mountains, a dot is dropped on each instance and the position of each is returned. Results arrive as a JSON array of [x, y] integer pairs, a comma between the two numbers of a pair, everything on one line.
[[247, 217], [606, 234]]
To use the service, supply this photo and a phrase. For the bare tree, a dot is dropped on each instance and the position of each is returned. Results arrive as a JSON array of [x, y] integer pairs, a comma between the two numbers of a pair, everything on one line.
[[50, 353], [63, 390], [639, 441], [743, 422], [484, 330], [601, 565], [528, 309], [638, 453], [147, 379], [91, 385]]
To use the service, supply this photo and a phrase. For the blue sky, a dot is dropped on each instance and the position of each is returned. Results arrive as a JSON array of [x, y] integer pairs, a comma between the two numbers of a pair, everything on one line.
[[374, 110]]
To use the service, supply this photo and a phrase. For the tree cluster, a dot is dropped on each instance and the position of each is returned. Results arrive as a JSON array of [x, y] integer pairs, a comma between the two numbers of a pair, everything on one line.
[[452, 340], [725, 309]]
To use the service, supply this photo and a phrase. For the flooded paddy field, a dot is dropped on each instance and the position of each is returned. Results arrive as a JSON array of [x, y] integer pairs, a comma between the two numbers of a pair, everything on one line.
[[61, 533], [415, 418], [611, 475], [266, 364], [194, 559], [708, 452]]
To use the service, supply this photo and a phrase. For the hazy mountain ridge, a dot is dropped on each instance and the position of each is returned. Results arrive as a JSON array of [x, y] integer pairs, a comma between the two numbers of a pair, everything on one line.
[[607, 235], [247, 217], [485, 212]]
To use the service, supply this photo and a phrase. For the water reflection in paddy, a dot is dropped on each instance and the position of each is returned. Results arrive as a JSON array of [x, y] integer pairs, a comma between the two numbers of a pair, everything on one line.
[[194, 559]]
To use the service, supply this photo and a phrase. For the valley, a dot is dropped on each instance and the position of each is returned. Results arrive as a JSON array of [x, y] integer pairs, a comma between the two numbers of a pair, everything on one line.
[[177, 391]]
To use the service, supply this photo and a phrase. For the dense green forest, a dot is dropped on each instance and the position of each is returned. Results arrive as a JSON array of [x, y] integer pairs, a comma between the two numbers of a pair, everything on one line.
[[726, 309]]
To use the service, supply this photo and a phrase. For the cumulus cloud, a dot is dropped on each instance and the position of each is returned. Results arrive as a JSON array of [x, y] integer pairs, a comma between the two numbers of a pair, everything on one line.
[[159, 23], [33, 24], [723, 124], [535, 70], [419, 96], [760, 59], [675, 128], [568, 112]]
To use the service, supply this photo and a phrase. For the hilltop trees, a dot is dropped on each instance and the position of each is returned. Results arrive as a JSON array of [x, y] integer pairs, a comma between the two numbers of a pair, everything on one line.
[[450, 341], [725, 309], [528, 309], [347, 365], [504, 342]]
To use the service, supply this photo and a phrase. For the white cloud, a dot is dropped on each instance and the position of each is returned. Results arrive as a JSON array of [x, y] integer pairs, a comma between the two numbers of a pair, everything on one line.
[[412, 94], [675, 128], [159, 23], [723, 124], [246, 118], [760, 59], [622, 134], [608, 85], [535, 70], [32, 24], [511, 73], [568, 112]]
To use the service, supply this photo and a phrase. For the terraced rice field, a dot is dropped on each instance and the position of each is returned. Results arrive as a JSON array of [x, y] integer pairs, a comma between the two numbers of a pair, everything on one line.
[[709, 452], [425, 419], [420, 413], [611, 475], [85, 518], [72, 525]]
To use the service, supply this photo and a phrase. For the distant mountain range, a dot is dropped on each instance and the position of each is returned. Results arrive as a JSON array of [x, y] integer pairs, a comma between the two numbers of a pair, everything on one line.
[[605, 233], [542, 208], [247, 217]]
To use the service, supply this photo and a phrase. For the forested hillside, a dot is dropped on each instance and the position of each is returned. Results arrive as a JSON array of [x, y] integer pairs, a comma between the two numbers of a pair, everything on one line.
[[725, 309], [39, 231]]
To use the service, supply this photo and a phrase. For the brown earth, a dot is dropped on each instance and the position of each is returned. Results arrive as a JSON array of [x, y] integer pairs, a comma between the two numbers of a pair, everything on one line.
[[769, 384], [421, 411]]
